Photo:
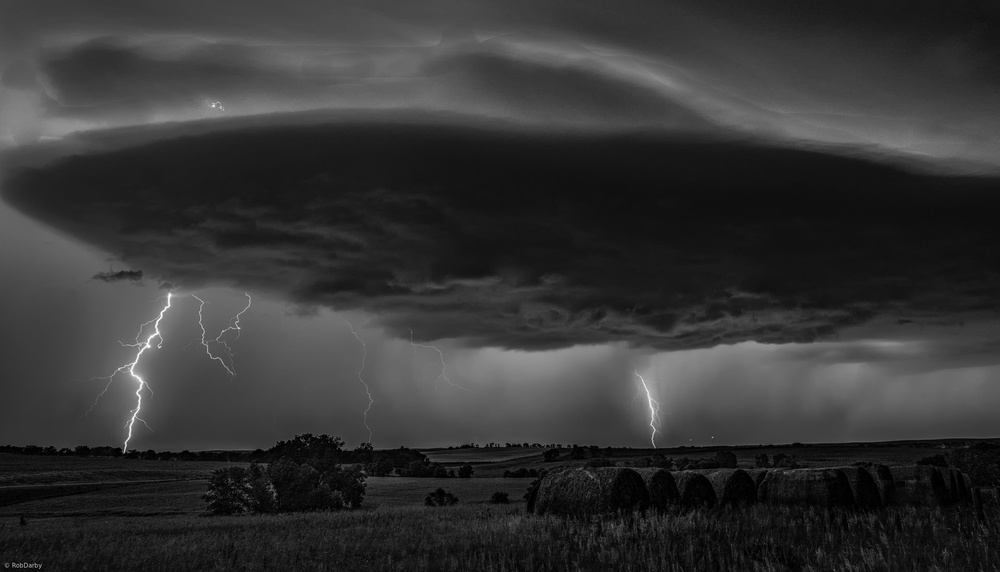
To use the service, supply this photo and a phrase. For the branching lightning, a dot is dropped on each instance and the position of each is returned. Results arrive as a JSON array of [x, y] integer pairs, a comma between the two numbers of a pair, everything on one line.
[[364, 356], [444, 366], [130, 367], [654, 410], [234, 325]]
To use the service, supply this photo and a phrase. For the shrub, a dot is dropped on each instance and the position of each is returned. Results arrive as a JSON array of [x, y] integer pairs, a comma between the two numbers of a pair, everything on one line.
[[595, 463], [440, 497], [297, 487], [550, 455], [762, 461], [499, 497], [465, 471]]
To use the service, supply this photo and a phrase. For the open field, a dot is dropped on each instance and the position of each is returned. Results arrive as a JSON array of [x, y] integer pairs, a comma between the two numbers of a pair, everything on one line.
[[45, 469], [498, 538], [149, 523]]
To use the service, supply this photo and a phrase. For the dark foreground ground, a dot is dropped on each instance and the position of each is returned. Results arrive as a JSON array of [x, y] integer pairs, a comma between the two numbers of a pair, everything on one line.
[[115, 514]]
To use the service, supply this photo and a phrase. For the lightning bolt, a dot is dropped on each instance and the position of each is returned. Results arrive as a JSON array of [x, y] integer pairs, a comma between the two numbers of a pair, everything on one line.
[[654, 410], [364, 356], [130, 367], [234, 325], [444, 366]]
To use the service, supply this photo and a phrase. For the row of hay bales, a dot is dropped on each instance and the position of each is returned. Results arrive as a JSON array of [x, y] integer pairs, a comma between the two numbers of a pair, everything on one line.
[[582, 491]]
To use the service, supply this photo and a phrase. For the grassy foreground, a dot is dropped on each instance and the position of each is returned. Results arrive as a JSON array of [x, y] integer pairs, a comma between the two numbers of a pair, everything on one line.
[[498, 537]]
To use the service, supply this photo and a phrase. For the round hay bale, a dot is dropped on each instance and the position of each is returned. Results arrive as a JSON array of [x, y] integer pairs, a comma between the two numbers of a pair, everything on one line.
[[951, 483], [920, 485], [967, 483], [585, 491], [533, 495], [695, 490], [863, 487], [757, 475], [726, 459], [733, 487], [885, 483], [816, 487], [661, 486]]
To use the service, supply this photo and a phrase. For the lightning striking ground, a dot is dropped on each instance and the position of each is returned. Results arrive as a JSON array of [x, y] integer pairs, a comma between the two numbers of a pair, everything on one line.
[[364, 356], [654, 410], [444, 366], [130, 367]]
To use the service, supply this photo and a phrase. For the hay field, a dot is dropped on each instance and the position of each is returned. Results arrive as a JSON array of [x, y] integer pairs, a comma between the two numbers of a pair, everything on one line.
[[496, 538], [160, 525]]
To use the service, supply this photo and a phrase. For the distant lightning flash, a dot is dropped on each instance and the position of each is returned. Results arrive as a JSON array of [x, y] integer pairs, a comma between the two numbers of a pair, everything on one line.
[[654, 410], [234, 325], [364, 356], [130, 367], [444, 366]]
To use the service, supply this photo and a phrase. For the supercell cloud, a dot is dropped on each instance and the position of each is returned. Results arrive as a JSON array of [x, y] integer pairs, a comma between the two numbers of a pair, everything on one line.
[[528, 175]]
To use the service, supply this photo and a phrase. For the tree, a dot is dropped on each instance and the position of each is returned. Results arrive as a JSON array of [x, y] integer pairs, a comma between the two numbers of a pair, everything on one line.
[[379, 467], [465, 471], [440, 497], [261, 497], [228, 491], [550, 455]]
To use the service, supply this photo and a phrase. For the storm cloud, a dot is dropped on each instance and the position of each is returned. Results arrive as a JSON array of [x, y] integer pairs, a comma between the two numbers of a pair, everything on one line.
[[537, 239], [119, 276]]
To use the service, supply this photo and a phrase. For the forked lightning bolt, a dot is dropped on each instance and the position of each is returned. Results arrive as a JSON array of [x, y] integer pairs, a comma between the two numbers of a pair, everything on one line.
[[364, 356], [444, 366], [130, 367], [234, 325], [654, 410]]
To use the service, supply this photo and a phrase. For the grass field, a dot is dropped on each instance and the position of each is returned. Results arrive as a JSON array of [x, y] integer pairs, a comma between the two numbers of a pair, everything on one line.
[[155, 524]]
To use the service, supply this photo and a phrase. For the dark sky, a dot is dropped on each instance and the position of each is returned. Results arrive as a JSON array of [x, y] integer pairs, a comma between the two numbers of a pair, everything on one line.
[[781, 215]]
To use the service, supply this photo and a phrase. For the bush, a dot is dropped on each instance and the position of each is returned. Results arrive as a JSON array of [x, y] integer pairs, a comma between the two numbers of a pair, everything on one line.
[[762, 461], [465, 471], [550, 455], [596, 463], [499, 497], [440, 497], [299, 487]]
